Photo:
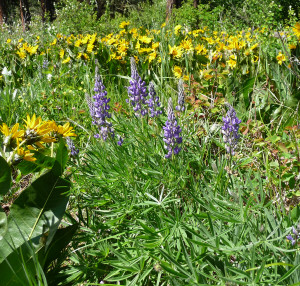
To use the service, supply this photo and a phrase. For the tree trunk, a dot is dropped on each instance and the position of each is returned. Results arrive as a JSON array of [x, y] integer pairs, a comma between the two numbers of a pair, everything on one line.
[[196, 3], [48, 9], [170, 6], [25, 14], [3, 12], [100, 8]]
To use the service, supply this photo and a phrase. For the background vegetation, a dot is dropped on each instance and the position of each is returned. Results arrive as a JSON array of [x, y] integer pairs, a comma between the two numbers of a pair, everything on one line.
[[80, 210]]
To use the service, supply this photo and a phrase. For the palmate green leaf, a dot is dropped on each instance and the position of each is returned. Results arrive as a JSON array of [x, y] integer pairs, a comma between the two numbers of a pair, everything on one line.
[[5, 176]]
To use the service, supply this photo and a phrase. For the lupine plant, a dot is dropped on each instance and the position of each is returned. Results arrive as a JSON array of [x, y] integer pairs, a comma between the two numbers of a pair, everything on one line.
[[172, 132], [153, 101], [180, 101], [137, 91], [230, 130], [99, 109]]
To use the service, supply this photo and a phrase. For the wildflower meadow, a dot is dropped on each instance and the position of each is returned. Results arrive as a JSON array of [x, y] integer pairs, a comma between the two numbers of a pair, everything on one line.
[[150, 143]]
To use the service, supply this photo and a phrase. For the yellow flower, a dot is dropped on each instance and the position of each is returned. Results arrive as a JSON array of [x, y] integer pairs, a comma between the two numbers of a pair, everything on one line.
[[54, 42], [187, 45], [210, 41], [177, 71], [292, 46], [254, 47], [8, 41], [186, 77], [61, 53], [163, 25], [22, 53], [25, 155], [77, 43], [145, 39], [296, 29], [65, 61], [175, 52], [232, 61], [90, 48], [281, 58], [152, 56], [37, 131], [61, 130], [13, 134], [32, 49], [200, 50], [177, 29], [124, 24]]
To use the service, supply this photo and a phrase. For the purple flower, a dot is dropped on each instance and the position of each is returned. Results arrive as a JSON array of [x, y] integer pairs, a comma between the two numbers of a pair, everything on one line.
[[153, 102], [230, 130], [73, 151], [296, 235], [180, 106], [172, 132], [99, 108], [45, 64], [137, 91], [120, 142]]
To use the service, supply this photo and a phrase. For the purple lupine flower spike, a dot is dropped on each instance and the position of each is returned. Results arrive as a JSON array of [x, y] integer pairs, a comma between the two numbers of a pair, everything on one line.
[[73, 151], [137, 91], [172, 132], [153, 102], [230, 130], [99, 109], [180, 106]]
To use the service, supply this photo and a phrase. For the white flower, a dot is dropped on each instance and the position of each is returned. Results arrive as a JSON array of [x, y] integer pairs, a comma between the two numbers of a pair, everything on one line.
[[49, 76], [5, 71]]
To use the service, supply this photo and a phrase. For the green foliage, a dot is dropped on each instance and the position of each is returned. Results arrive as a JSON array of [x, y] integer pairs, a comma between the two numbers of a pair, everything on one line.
[[29, 231]]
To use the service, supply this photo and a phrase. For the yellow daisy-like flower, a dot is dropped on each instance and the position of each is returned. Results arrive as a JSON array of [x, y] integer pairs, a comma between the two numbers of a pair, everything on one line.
[[281, 58], [296, 29], [61, 53], [25, 155], [21, 53], [8, 41], [32, 49], [145, 39], [124, 24], [11, 134], [14, 132], [177, 29], [292, 46], [175, 52], [61, 130], [54, 42], [65, 61], [187, 45], [90, 48], [200, 50], [232, 61], [37, 131], [177, 71]]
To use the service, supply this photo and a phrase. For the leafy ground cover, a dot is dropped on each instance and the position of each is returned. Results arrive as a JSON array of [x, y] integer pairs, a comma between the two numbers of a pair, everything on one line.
[[183, 165]]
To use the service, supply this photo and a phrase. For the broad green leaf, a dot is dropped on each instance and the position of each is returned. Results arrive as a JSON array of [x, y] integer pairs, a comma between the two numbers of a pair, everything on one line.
[[37, 210], [5, 176], [61, 159], [247, 88], [3, 224], [42, 162], [60, 241]]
